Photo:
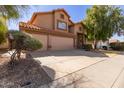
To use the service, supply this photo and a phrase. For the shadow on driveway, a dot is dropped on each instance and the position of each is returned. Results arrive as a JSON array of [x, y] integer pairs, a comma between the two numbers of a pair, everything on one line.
[[68, 53]]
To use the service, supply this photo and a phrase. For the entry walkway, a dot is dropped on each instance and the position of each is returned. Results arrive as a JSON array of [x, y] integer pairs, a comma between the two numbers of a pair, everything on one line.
[[77, 68]]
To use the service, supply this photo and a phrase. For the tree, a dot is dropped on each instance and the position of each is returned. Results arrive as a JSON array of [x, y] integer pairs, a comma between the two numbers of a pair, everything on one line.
[[8, 12], [102, 22], [23, 42], [3, 29]]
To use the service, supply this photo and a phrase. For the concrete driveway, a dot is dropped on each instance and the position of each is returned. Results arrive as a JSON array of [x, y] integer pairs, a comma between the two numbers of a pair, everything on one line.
[[78, 68]]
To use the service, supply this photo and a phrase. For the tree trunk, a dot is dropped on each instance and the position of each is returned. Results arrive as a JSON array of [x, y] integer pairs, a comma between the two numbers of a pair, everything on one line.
[[95, 44]]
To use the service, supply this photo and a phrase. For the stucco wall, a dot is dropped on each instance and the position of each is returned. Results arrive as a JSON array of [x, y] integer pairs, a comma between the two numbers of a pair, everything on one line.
[[76, 28], [50, 20], [61, 43], [44, 20], [57, 17], [72, 29]]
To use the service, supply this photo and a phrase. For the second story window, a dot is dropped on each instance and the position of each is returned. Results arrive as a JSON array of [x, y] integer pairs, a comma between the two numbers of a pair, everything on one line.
[[62, 25], [61, 16]]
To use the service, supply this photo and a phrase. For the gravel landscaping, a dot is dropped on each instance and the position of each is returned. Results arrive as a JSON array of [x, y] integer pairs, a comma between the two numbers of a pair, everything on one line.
[[25, 73]]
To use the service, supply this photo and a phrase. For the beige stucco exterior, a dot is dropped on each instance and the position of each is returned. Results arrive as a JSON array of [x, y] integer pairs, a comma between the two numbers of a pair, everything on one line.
[[77, 30], [57, 18], [44, 20], [52, 37], [50, 20]]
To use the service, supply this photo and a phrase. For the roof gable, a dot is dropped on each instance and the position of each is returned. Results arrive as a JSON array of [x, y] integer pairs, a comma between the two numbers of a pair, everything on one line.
[[58, 10], [49, 12]]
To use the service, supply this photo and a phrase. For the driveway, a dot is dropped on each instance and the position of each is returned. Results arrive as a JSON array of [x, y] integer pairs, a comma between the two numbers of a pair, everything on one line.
[[78, 68]]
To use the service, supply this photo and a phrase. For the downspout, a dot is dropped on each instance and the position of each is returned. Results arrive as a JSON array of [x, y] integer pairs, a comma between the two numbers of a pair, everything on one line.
[[74, 42], [53, 20], [48, 42]]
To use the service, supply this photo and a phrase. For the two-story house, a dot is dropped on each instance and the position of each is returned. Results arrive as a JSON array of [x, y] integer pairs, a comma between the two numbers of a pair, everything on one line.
[[55, 30]]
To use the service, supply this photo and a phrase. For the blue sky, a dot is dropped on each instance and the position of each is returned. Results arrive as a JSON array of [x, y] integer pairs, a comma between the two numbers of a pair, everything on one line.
[[77, 13]]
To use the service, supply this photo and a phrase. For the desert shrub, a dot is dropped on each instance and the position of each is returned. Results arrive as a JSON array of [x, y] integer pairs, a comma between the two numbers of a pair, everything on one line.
[[29, 42], [88, 47], [122, 44], [22, 42], [117, 46], [114, 46], [16, 34], [32, 44]]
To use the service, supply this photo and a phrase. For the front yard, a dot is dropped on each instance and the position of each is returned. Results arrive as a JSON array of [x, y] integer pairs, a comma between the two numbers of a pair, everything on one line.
[[25, 73]]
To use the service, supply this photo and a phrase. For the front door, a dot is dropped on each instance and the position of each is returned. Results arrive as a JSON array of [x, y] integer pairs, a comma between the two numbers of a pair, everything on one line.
[[80, 42]]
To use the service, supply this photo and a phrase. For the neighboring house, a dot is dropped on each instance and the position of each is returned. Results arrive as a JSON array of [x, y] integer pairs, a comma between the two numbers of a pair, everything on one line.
[[101, 44], [55, 30], [113, 41]]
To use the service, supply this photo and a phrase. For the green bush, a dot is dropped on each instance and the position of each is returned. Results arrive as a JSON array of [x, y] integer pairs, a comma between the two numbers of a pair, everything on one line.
[[32, 44], [88, 47], [29, 42], [16, 34], [117, 46], [3, 29], [2, 37]]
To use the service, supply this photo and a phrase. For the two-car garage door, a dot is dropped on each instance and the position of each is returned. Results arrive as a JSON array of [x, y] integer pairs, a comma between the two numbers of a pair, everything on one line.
[[56, 42]]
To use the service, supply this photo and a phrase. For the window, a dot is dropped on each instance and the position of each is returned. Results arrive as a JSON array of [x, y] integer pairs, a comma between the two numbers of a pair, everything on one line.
[[62, 25], [80, 28], [61, 16]]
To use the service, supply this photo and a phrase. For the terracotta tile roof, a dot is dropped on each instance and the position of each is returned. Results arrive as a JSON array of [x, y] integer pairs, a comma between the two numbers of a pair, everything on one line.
[[32, 27], [40, 30], [27, 25], [113, 40]]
